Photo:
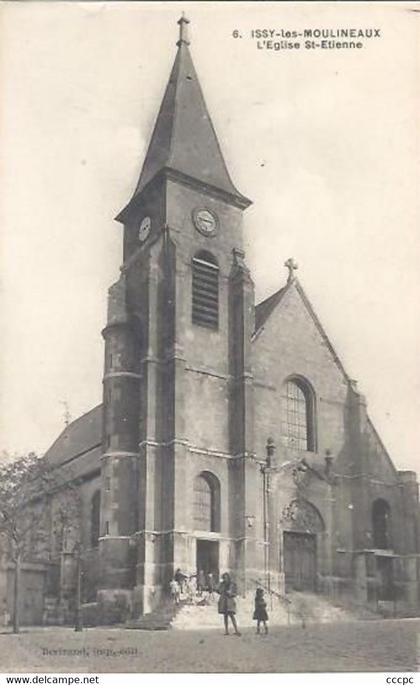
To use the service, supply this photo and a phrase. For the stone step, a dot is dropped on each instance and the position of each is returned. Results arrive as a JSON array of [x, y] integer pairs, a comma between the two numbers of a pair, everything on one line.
[[296, 608], [205, 616], [200, 612]]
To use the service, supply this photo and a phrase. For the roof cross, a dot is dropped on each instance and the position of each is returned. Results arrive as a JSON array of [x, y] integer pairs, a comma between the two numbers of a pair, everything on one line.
[[292, 266], [183, 30]]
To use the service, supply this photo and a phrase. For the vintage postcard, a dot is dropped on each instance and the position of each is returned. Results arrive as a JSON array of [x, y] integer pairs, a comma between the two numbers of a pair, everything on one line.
[[210, 336]]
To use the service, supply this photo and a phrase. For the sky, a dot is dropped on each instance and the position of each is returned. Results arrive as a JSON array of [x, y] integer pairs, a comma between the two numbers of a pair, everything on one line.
[[323, 141]]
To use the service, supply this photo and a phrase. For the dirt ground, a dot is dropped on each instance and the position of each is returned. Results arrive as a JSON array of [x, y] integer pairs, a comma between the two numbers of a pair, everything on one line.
[[386, 645]]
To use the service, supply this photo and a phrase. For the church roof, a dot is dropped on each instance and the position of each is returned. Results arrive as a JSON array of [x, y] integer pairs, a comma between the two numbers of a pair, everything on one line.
[[184, 139], [264, 308], [80, 439]]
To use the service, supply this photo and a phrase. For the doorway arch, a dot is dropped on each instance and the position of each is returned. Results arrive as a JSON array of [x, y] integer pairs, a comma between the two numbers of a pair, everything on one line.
[[302, 524]]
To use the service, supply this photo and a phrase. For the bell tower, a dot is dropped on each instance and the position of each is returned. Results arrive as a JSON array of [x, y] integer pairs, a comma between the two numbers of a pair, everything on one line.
[[178, 381]]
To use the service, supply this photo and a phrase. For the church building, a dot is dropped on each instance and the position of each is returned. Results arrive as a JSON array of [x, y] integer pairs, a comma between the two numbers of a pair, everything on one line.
[[230, 437]]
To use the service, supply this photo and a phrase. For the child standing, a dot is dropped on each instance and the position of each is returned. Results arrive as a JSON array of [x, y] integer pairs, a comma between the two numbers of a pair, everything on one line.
[[175, 591], [260, 611], [191, 588]]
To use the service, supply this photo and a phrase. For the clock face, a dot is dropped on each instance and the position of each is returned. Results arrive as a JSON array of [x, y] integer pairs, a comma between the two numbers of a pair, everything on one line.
[[145, 228], [205, 221]]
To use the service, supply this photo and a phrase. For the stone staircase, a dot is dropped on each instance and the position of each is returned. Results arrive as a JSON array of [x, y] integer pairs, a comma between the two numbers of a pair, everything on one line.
[[201, 615], [297, 608], [200, 612], [314, 608]]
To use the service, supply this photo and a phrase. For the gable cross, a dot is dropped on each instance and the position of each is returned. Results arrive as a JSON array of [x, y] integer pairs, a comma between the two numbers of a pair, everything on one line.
[[292, 266]]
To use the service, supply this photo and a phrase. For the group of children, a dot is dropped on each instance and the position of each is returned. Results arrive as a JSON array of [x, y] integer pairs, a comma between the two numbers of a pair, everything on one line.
[[191, 585]]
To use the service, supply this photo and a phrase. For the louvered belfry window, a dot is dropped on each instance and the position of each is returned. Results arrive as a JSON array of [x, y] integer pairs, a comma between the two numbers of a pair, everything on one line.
[[205, 290]]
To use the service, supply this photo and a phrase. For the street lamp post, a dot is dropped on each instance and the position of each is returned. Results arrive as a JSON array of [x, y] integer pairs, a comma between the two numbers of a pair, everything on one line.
[[78, 624], [265, 470]]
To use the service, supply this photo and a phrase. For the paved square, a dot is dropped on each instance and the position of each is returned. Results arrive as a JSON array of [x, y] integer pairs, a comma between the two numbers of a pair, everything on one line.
[[390, 645]]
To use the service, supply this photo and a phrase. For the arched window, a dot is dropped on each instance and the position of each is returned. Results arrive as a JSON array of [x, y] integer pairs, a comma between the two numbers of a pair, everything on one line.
[[381, 524], [206, 503], [205, 290], [95, 510], [298, 415]]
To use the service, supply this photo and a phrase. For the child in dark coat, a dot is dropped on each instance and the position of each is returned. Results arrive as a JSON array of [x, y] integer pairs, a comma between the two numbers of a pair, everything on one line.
[[260, 611], [226, 604]]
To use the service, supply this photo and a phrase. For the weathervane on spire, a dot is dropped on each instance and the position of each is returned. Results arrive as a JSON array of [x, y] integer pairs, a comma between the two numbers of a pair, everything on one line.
[[292, 266], [183, 30]]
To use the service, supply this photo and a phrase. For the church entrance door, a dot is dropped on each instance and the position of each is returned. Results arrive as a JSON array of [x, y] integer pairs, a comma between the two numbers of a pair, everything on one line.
[[300, 561], [208, 558]]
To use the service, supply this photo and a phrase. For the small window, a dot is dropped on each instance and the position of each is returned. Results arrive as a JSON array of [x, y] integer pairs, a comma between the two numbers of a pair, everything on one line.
[[106, 527], [205, 290], [108, 484]]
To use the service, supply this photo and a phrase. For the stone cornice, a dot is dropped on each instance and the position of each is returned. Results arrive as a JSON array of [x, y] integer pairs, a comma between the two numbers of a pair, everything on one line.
[[119, 453], [118, 374]]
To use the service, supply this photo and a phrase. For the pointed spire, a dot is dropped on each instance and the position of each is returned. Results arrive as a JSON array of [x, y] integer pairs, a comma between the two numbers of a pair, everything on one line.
[[184, 141]]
